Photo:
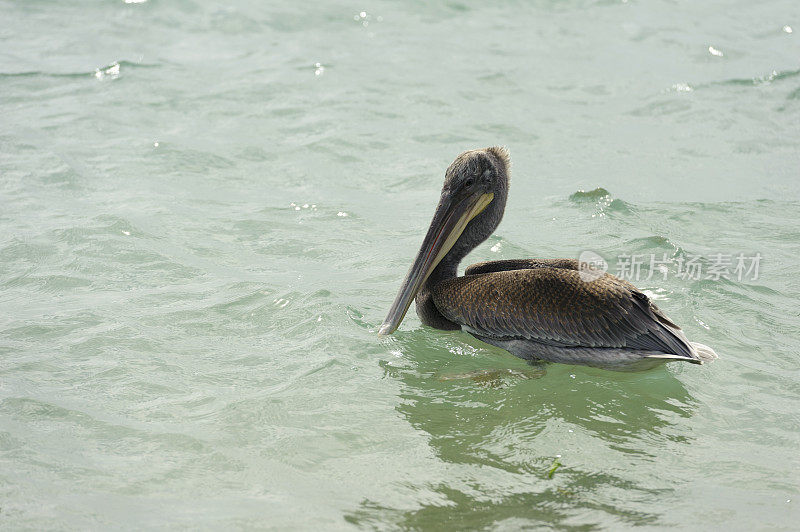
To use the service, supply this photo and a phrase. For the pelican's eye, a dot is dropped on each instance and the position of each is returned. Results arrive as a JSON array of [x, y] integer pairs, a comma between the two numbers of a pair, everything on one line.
[[469, 182]]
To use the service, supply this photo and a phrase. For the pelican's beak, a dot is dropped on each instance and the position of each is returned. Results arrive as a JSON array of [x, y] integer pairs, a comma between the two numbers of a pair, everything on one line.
[[451, 217]]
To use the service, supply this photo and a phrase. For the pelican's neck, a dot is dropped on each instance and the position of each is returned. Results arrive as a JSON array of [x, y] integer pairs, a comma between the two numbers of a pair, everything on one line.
[[448, 268], [478, 230], [426, 309]]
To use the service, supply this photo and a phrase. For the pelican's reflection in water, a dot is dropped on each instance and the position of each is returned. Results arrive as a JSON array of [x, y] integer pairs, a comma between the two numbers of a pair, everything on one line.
[[498, 436]]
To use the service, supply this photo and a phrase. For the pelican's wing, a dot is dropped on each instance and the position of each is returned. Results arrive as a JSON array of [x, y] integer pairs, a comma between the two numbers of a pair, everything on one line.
[[555, 306]]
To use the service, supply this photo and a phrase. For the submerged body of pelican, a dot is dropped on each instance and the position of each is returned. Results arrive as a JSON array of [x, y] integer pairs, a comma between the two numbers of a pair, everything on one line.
[[556, 310]]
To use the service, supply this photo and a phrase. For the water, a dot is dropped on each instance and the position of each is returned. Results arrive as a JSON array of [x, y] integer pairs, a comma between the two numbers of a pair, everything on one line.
[[207, 208]]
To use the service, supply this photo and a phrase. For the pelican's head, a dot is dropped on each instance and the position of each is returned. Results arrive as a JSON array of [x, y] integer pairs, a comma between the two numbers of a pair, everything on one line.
[[470, 208]]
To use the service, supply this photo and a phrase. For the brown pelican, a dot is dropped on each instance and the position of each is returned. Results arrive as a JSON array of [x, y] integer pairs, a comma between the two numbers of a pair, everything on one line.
[[556, 310]]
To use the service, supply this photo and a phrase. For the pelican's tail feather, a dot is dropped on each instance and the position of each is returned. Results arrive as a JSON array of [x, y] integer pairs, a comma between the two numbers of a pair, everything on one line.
[[704, 353]]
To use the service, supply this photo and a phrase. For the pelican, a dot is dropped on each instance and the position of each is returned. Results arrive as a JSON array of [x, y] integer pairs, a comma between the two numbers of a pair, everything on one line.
[[554, 310]]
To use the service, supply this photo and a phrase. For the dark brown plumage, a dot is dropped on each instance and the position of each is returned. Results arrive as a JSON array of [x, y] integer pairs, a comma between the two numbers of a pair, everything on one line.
[[555, 305]]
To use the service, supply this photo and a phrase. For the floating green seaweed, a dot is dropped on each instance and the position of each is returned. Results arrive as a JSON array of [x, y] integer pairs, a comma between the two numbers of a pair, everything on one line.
[[552, 471]]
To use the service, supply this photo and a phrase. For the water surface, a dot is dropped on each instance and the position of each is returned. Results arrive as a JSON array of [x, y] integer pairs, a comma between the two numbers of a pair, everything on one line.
[[206, 209]]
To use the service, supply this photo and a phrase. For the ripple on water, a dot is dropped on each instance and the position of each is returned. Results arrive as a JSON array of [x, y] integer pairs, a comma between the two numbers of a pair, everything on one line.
[[772, 77], [184, 160], [652, 244], [590, 195], [662, 107], [602, 200], [111, 71]]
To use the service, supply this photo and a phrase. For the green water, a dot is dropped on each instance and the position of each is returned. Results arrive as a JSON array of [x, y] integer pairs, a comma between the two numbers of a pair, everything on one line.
[[206, 209]]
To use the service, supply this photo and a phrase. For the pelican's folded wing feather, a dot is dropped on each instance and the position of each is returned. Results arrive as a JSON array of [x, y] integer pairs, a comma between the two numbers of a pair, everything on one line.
[[555, 306], [520, 264]]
